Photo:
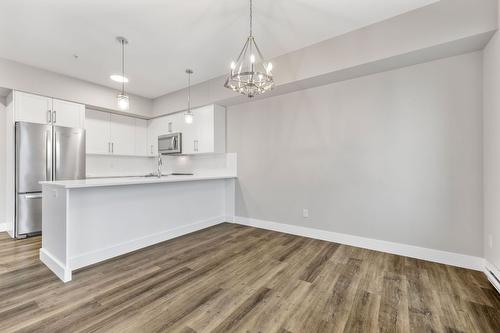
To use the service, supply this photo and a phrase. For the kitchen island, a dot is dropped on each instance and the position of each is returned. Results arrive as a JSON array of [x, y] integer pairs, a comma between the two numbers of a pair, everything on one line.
[[88, 221]]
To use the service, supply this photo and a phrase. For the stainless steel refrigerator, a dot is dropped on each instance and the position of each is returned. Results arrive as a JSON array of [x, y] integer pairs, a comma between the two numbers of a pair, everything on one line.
[[43, 152]]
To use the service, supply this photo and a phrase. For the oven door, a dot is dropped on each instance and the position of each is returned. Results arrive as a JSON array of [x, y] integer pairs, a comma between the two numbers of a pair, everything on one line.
[[170, 144]]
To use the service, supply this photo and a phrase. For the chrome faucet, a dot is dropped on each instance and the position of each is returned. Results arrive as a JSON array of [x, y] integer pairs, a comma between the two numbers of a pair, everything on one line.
[[160, 163]]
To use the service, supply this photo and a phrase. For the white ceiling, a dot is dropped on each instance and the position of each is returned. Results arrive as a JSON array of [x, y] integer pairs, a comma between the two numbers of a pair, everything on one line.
[[167, 36]]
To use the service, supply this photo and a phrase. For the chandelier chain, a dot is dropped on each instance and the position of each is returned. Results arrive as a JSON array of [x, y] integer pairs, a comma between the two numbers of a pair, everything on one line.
[[251, 19]]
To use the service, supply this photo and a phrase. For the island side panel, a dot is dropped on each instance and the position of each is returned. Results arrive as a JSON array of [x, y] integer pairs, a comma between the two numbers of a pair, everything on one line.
[[54, 231], [109, 221]]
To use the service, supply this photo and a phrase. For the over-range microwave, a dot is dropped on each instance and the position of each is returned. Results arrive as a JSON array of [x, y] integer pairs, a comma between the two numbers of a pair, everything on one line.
[[169, 144]]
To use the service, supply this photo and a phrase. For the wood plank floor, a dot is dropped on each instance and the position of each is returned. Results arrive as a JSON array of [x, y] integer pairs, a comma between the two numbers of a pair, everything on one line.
[[231, 278]]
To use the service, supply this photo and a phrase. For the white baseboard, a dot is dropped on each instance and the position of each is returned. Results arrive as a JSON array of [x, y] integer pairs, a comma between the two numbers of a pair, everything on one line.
[[442, 257], [493, 274], [94, 257], [58, 268], [4, 227]]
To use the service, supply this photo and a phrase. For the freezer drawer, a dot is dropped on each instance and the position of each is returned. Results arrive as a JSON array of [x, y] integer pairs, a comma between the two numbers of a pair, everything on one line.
[[29, 213]]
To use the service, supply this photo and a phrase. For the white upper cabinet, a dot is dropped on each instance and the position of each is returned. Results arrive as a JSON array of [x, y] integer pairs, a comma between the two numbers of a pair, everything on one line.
[[141, 137], [45, 110], [122, 135], [177, 122], [68, 114], [207, 133], [112, 134], [153, 132], [157, 127], [32, 108], [97, 132]]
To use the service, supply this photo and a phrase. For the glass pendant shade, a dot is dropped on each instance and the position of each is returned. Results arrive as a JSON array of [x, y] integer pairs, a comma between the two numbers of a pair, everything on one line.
[[122, 101], [188, 117], [250, 75]]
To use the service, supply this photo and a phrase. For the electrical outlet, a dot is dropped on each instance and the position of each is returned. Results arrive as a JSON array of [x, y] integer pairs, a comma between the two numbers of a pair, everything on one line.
[[305, 213], [490, 241]]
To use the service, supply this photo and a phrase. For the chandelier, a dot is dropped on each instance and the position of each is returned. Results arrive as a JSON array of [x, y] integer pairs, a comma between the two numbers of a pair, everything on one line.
[[250, 75]]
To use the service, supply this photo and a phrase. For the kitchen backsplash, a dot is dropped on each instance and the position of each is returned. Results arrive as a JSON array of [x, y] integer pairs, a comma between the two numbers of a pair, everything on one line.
[[113, 166]]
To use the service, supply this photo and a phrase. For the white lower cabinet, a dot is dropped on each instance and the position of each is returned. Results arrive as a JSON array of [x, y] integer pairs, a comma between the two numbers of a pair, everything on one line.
[[112, 134]]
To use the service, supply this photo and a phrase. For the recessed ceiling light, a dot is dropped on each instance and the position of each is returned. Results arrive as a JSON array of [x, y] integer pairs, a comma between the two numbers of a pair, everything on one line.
[[118, 78]]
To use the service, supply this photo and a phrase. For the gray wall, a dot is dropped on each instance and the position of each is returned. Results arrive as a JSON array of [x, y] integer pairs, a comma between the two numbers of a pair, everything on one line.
[[492, 150], [395, 156], [14, 75], [399, 41]]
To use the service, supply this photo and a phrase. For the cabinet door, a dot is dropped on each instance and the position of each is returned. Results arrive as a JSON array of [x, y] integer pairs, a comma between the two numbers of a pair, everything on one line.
[[189, 137], [153, 132], [97, 132], [167, 125], [32, 108], [177, 120], [204, 128], [68, 114], [122, 131], [198, 137], [141, 137]]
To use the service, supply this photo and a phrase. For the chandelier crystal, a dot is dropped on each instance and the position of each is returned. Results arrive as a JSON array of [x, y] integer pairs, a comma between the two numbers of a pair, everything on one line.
[[250, 75]]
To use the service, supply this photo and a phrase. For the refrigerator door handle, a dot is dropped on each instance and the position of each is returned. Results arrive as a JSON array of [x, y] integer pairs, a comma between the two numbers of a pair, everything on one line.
[[33, 196], [48, 156], [55, 155]]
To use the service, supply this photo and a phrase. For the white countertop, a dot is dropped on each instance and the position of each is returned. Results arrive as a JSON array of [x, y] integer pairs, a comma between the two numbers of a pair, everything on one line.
[[101, 182]]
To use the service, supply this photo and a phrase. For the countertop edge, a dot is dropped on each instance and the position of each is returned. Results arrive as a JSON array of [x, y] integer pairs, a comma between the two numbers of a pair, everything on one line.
[[111, 182]]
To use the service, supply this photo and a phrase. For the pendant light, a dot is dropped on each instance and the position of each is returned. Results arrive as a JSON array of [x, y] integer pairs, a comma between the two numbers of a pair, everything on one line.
[[250, 75], [122, 99], [188, 116]]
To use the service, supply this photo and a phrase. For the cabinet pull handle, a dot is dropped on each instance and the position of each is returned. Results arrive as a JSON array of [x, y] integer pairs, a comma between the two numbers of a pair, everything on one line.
[[109, 147], [195, 145], [54, 118], [112, 147], [151, 149], [49, 116], [170, 127]]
